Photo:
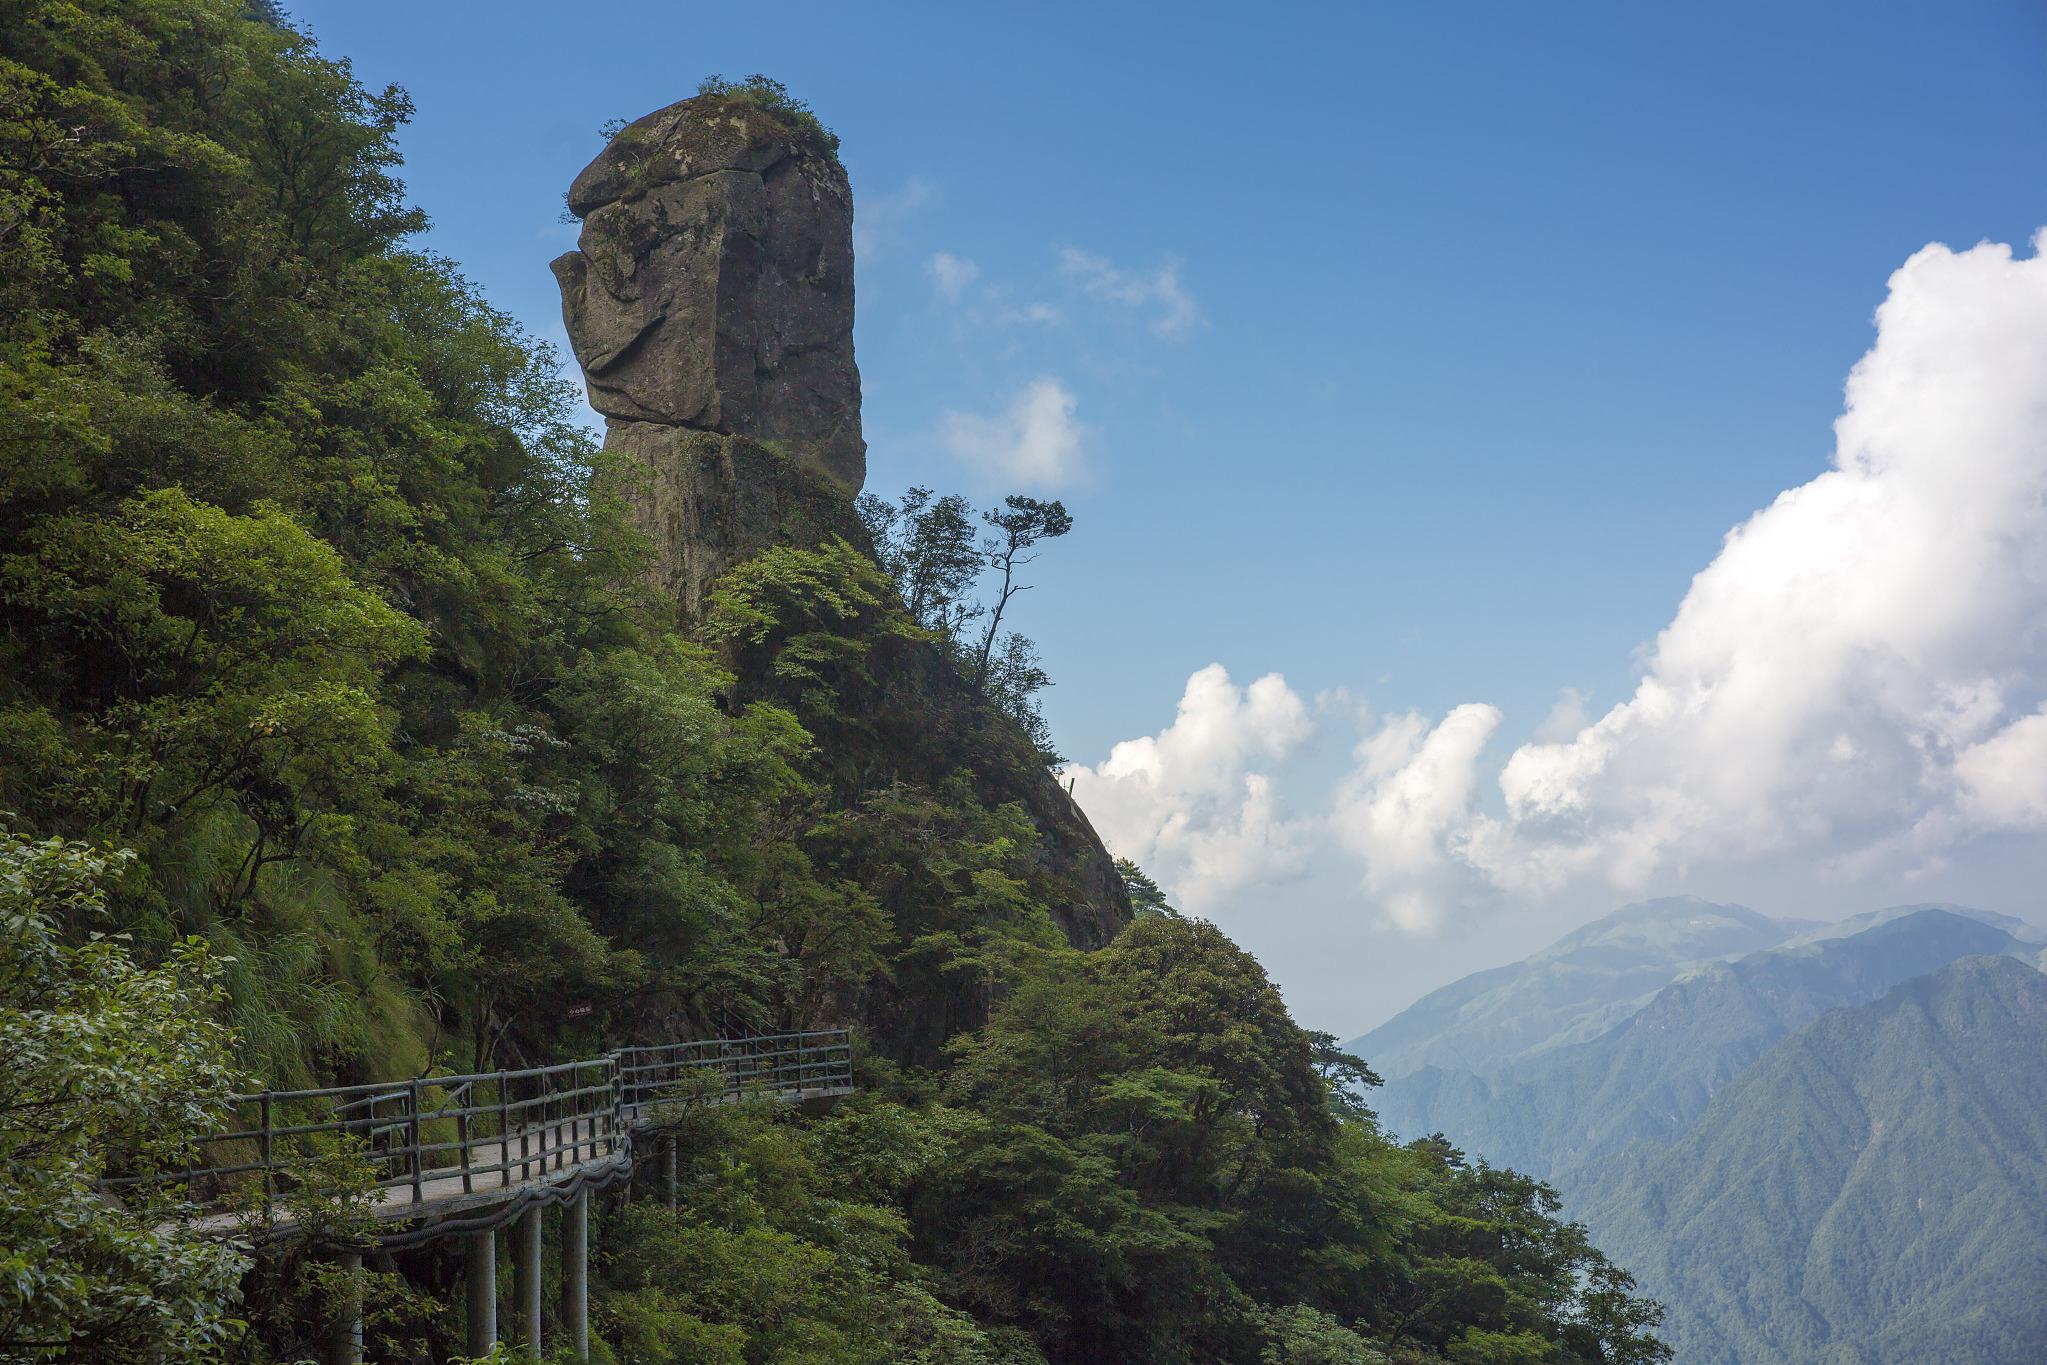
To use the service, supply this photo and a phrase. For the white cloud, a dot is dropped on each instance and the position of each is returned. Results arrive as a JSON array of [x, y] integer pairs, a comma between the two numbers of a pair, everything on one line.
[[1864, 654], [1405, 804], [2003, 780], [951, 274], [1185, 803], [1858, 679], [1035, 444], [1175, 314]]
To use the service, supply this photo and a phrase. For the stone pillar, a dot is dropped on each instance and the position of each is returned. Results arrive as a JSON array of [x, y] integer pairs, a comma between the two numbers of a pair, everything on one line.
[[526, 1280], [482, 1255], [668, 1169], [347, 1347], [576, 1274]]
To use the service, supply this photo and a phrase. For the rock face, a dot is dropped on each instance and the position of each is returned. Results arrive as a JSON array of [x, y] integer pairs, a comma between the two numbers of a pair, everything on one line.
[[710, 302]]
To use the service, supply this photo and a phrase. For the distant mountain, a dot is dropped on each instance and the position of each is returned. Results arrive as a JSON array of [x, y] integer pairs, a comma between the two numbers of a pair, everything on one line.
[[1570, 992], [1650, 1076], [1872, 1190], [1871, 919]]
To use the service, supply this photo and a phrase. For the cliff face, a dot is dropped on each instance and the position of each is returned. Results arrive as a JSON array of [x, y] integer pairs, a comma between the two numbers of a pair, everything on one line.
[[710, 302]]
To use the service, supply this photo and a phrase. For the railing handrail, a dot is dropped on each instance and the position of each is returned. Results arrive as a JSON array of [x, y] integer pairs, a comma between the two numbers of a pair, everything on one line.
[[568, 1112]]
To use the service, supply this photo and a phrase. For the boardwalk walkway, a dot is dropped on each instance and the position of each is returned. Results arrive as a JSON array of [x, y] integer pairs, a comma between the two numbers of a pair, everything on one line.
[[455, 1154]]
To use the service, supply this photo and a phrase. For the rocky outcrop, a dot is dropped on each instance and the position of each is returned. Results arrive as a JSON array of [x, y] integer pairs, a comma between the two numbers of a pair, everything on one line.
[[712, 285], [710, 302]]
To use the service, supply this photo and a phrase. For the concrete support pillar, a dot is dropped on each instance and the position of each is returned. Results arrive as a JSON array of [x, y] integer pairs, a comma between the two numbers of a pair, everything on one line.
[[347, 1345], [668, 1169], [576, 1274], [482, 1257], [526, 1280]]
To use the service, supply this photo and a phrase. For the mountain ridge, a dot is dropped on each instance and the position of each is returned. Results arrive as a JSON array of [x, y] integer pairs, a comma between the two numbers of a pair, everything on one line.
[[1649, 1076], [1571, 991]]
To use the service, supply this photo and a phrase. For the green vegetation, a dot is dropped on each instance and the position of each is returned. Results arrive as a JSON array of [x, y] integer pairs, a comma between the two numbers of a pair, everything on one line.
[[933, 548], [1146, 897], [314, 603], [1870, 1190], [104, 1066], [763, 92], [1138, 1158]]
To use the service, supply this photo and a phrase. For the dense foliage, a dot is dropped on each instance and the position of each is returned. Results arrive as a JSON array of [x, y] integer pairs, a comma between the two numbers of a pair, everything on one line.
[[104, 1065], [1871, 1189], [1138, 1158], [312, 599]]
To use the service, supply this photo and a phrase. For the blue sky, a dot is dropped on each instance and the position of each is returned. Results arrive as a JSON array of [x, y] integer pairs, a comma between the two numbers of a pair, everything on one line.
[[1421, 354]]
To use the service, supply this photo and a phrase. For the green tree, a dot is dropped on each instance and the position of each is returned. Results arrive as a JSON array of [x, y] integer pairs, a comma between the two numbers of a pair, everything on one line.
[[1146, 898], [1021, 525], [107, 1067], [931, 547], [937, 557]]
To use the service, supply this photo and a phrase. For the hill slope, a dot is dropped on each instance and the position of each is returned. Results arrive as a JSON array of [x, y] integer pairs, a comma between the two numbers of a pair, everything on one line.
[[1872, 1190]]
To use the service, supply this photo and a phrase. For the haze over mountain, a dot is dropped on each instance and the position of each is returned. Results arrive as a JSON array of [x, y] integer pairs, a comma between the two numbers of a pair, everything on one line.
[[1650, 1075], [1872, 1190], [1571, 991]]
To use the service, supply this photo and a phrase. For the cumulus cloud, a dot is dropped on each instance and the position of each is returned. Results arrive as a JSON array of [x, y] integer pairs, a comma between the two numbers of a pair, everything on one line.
[[1175, 314], [1404, 807], [1859, 677], [1866, 653], [2003, 780], [1035, 443], [951, 274], [1188, 803]]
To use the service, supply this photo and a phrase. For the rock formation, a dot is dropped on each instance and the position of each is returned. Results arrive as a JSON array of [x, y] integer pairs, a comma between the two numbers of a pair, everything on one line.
[[710, 302]]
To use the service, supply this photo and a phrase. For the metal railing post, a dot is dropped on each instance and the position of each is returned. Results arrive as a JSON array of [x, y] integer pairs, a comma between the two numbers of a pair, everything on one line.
[[268, 1149], [504, 1135], [412, 1137], [462, 1136]]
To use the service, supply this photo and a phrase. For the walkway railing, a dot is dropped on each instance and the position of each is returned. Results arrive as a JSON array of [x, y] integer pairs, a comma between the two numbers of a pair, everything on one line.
[[435, 1139], [791, 1065]]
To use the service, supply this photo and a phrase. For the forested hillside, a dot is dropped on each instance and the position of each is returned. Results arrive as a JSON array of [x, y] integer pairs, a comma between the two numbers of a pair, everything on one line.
[[1871, 1190], [1800, 1149], [346, 734]]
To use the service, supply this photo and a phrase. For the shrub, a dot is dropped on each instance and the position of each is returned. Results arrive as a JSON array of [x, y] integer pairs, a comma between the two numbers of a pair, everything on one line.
[[765, 93]]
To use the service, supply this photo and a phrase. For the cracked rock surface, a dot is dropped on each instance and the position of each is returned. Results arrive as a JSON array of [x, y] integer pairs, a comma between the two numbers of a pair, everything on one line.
[[712, 286]]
